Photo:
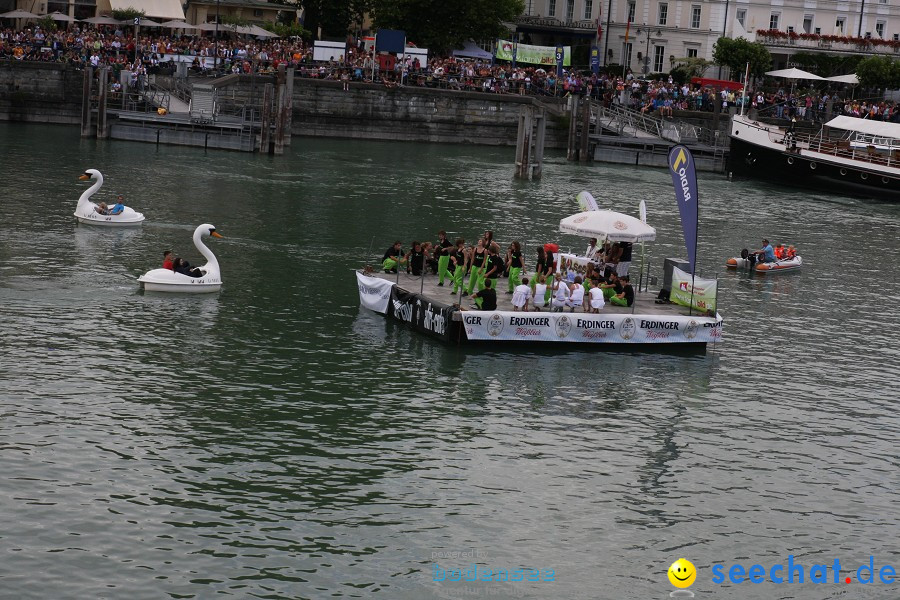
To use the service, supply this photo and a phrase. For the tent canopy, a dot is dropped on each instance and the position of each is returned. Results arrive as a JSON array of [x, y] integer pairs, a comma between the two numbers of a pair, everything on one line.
[[877, 128], [58, 16], [614, 226], [794, 73], [471, 50], [176, 24], [851, 79], [162, 9], [19, 14], [717, 83], [103, 21]]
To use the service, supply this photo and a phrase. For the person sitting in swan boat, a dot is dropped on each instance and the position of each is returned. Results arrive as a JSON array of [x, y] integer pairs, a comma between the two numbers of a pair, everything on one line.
[[102, 208], [118, 207], [184, 267]]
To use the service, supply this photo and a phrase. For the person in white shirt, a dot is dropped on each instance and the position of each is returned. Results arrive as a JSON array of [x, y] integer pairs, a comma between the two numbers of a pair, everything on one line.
[[521, 295], [540, 292], [576, 295], [591, 249], [596, 298], [560, 294]]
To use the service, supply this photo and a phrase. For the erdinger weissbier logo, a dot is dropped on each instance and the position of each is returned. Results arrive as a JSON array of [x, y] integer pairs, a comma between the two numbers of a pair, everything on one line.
[[690, 332], [495, 325], [627, 328], [563, 326]]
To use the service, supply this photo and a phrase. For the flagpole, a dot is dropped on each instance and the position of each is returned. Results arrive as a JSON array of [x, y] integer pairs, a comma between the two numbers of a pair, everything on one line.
[[625, 62], [694, 269], [744, 91]]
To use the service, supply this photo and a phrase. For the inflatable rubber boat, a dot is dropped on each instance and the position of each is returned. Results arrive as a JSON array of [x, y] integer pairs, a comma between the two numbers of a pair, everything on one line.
[[748, 261]]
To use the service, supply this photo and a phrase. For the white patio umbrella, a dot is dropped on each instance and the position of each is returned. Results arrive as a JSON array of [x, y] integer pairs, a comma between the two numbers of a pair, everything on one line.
[[176, 24], [209, 27], [58, 16], [261, 32], [614, 226], [144, 22], [19, 14], [103, 21], [852, 79], [794, 73]]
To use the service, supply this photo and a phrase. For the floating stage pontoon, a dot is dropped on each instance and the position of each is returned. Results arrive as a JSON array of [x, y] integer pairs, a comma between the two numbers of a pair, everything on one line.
[[419, 303]]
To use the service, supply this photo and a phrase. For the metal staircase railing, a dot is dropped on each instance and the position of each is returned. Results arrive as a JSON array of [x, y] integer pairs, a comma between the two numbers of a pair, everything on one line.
[[623, 120]]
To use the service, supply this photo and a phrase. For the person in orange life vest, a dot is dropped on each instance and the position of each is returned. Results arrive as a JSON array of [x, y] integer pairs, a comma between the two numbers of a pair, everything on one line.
[[779, 251]]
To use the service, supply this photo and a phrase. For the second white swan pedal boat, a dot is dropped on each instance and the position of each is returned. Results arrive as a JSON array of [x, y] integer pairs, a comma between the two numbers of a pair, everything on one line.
[[164, 280], [86, 211]]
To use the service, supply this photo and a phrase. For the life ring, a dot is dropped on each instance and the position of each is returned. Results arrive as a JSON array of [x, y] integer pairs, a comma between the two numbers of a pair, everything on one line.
[[885, 180], [864, 176], [813, 166], [843, 171], [790, 160]]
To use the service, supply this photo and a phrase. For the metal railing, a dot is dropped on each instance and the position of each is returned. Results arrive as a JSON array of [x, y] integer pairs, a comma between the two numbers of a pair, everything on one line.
[[621, 120], [844, 148]]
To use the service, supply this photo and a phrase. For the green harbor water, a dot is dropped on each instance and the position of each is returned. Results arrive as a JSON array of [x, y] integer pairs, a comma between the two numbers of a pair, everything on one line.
[[275, 440]]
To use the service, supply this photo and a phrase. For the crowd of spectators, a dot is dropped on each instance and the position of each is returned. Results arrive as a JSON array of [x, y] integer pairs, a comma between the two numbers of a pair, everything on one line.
[[116, 46]]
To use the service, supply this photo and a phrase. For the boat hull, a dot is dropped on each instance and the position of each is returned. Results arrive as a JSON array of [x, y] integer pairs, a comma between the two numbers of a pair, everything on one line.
[[181, 288], [134, 220], [808, 171], [780, 266], [163, 280]]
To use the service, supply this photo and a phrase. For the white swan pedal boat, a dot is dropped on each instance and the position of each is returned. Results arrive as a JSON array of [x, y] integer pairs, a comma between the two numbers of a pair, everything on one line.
[[164, 280], [86, 211], [787, 264]]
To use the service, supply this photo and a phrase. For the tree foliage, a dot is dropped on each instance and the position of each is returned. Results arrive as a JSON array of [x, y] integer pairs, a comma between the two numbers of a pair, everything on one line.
[[442, 25], [826, 65], [736, 53], [879, 72], [685, 68], [335, 17], [127, 14]]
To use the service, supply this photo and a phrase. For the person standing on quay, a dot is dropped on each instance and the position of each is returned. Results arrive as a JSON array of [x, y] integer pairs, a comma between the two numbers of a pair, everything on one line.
[[442, 249], [516, 265]]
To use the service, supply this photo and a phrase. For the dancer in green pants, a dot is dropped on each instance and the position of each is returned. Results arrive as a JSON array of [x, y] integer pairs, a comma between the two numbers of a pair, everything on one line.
[[516, 265], [477, 259], [392, 258], [442, 249]]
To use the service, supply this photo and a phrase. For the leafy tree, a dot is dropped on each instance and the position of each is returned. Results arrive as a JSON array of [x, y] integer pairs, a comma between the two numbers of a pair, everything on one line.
[[736, 53], [335, 17], [685, 68], [127, 14], [826, 65], [879, 72], [442, 25]]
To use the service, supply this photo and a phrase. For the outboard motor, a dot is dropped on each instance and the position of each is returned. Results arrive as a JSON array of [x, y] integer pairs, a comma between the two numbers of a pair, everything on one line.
[[745, 253]]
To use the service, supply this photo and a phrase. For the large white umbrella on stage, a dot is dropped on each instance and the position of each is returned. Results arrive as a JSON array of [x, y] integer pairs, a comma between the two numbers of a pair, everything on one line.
[[606, 224], [794, 73]]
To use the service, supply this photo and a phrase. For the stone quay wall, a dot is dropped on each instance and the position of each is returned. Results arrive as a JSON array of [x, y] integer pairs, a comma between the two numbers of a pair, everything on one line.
[[40, 92]]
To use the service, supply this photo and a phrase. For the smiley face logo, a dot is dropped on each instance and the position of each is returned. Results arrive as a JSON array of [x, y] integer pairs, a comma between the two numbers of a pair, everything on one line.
[[682, 573]]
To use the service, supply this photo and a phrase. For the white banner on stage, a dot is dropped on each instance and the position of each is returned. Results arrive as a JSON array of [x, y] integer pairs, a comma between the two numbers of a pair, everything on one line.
[[590, 328], [374, 292]]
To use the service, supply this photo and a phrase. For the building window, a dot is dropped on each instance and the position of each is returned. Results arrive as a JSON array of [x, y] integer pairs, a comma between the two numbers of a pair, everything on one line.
[[626, 53], [588, 9], [551, 8], [257, 12], [529, 7], [882, 1], [695, 17], [570, 10], [879, 29], [742, 17], [773, 21], [692, 53], [659, 54], [897, 37], [807, 23], [663, 13], [818, 30], [839, 24], [630, 18]]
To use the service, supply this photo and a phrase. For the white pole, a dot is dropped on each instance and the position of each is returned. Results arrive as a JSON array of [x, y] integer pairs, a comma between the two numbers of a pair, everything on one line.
[[744, 91], [374, 45]]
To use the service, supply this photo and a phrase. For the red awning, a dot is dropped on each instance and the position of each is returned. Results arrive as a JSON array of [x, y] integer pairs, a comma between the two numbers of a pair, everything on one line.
[[717, 83]]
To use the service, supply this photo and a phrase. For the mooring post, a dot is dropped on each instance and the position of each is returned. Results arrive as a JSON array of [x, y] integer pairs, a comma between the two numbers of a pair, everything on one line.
[[102, 85], [279, 110], [265, 132], [539, 136], [585, 130], [573, 125], [289, 108], [523, 142], [86, 102]]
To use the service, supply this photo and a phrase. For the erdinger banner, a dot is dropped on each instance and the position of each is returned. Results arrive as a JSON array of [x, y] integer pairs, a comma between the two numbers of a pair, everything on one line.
[[374, 293], [590, 328], [428, 317], [686, 288]]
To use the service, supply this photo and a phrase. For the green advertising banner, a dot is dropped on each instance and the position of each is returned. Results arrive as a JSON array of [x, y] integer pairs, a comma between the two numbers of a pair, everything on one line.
[[704, 291], [535, 55]]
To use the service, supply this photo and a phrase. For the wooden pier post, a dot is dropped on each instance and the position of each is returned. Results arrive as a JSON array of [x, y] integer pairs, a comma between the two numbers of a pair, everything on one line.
[[539, 136], [585, 130], [88, 81], [289, 105], [573, 124], [523, 142], [265, 133], [102, 85], [279, 110]]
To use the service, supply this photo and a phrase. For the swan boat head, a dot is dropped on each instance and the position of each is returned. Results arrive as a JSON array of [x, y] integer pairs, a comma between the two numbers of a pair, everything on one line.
[[86, 211], [164, 280]]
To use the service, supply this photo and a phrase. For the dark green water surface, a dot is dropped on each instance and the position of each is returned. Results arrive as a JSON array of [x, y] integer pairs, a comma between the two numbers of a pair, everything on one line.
[[276, 441]]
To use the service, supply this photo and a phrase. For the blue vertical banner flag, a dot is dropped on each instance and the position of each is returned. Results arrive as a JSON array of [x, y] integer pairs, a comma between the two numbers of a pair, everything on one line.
[[560, 54], [684, 178], [595, 59]]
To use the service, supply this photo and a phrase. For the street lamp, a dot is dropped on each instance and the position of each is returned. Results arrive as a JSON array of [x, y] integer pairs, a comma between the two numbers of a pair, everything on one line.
[[647, 50]]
